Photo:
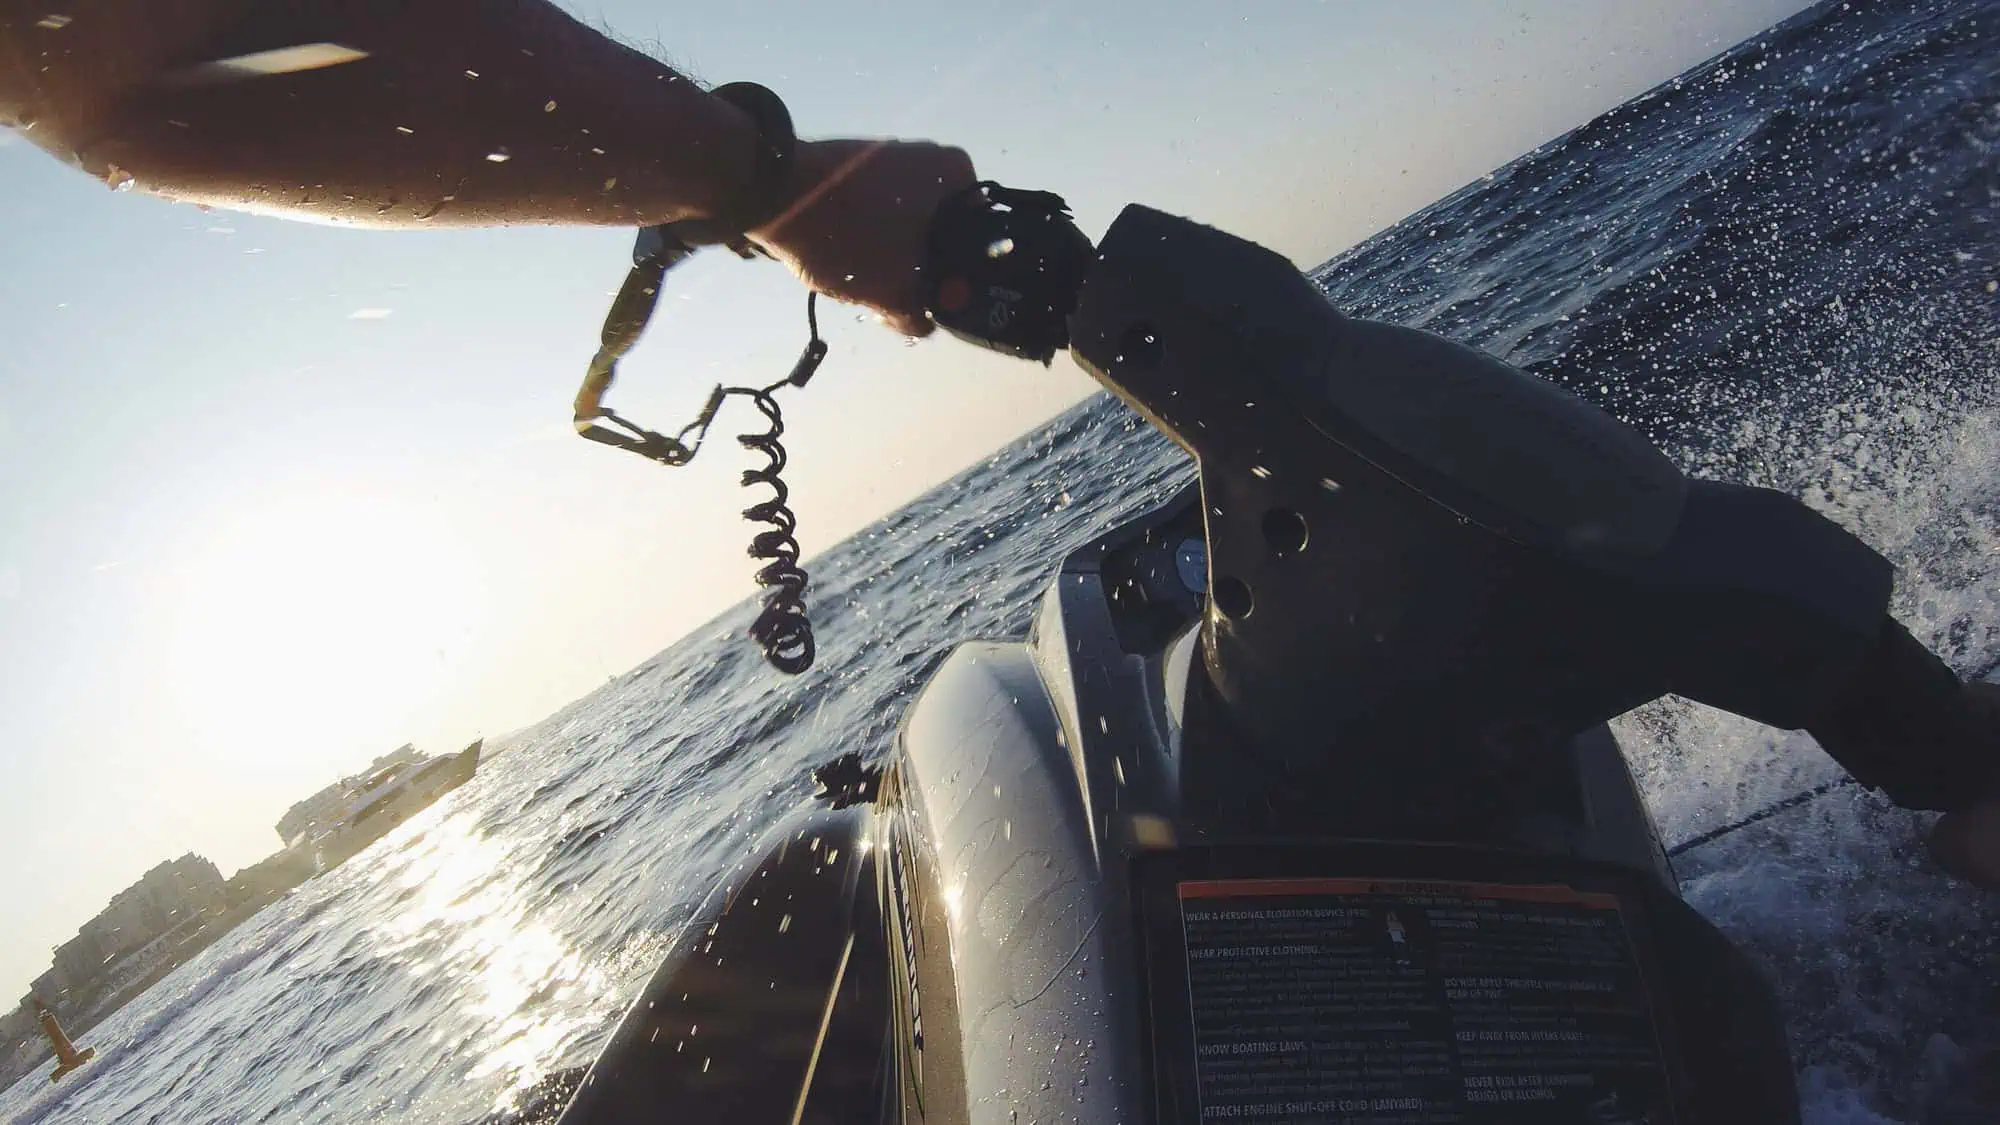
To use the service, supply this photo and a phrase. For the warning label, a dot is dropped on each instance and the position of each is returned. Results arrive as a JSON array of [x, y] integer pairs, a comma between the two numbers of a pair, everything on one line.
[[1391, 1002]]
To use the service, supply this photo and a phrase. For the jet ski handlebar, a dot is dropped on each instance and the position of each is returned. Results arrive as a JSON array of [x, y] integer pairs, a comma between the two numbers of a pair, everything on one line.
[[1395, 519], [1388, 512]]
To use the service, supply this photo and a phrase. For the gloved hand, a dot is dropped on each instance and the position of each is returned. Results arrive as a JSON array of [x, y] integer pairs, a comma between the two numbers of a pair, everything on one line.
[[1967, 843], [855, 230]]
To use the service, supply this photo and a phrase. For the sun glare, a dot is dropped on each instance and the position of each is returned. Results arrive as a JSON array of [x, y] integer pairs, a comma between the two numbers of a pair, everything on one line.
[[322, 618]]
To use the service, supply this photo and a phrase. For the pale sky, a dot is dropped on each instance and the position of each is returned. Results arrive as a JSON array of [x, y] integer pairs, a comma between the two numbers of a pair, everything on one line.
[[249, 539]]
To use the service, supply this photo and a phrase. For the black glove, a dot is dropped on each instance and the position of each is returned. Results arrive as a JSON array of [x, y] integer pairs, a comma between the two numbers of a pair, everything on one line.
[[1907, 726]]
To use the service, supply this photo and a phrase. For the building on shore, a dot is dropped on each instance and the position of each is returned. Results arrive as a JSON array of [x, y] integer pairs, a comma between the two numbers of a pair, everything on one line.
[[135, 933], [20, 1042], [171, 895]]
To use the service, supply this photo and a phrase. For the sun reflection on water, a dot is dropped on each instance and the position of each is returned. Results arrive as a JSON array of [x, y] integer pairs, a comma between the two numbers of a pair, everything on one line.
[[519, 992]]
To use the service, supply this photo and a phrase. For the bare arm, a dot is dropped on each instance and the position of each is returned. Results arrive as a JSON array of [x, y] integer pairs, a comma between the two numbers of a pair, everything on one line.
[[445, 112]]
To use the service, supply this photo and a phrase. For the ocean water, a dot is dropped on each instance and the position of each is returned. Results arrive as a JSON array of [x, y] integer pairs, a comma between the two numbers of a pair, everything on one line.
[[1783, 265]]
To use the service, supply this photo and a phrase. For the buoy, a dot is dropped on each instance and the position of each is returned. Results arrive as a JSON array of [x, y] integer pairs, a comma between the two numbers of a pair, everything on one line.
[[68, 1058]]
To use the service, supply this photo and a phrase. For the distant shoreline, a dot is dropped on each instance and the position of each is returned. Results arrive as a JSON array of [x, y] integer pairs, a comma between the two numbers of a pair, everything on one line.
[[403, 789]]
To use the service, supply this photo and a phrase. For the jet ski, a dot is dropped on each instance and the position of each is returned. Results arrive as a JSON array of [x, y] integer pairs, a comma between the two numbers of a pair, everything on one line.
[[1298, 802]]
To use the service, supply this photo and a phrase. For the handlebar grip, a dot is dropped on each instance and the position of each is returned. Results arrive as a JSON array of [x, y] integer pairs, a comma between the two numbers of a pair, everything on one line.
[[1003, 269]]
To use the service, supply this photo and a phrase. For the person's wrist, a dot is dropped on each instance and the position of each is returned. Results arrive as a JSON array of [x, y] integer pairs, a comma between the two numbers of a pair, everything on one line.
[[728, 139], [813, 163], [759, 193]]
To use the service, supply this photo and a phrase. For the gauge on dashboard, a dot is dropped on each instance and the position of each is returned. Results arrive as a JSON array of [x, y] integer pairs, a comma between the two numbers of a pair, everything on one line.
[[1191, 562]]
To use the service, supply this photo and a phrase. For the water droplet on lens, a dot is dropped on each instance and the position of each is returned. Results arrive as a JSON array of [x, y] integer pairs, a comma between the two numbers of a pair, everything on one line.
[[118, 179]]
